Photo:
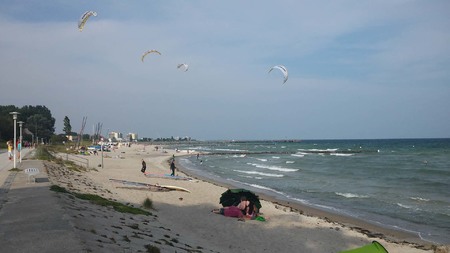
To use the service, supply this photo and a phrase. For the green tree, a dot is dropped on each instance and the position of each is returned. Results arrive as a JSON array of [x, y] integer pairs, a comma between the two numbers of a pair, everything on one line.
[[6, 122], [67, 127]]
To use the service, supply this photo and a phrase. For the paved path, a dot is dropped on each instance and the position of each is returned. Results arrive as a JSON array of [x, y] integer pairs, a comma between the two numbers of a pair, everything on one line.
[[31, 216]]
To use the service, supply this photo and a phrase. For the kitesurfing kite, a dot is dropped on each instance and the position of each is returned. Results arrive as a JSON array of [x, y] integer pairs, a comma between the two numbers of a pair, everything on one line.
[[84, 19], [282, 69], [148, 52], [183, 65]]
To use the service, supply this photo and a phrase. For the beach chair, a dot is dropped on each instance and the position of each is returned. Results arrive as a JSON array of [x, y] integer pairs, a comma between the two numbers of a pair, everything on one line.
[[374, 247]]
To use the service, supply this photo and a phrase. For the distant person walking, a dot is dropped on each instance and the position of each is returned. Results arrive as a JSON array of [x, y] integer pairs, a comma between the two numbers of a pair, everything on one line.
[[172, 167], [144, 166]]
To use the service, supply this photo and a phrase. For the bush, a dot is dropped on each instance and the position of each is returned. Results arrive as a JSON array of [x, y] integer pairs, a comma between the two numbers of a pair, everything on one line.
[[148, 203]]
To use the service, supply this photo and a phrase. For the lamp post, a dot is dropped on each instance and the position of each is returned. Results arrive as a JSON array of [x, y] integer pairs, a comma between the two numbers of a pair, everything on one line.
[[14, 114], [19, 146]]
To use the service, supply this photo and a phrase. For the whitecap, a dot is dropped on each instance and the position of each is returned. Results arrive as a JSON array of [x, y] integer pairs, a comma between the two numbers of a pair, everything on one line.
[[290, 162], [350, 195], [276, 168], [340, 154], [404, 206], [419, 199], [252, 172]]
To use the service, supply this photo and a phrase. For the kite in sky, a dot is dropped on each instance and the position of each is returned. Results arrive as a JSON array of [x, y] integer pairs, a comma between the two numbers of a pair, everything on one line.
[[84, 19], [283, 69], [183, 66], [148, 52]]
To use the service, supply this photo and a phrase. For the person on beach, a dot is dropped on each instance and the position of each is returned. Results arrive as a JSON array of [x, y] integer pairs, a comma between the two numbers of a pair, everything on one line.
[[10, 148], [247, 208], [144, 166], [230, 211], [19, 147], [172, 167]]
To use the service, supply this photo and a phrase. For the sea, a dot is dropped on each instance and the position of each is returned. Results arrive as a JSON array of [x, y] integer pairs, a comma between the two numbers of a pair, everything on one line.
[[402, 184]]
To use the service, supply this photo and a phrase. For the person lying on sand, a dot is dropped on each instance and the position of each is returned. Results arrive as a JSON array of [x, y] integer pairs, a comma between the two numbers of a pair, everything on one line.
[[230, 211], [234, 211]]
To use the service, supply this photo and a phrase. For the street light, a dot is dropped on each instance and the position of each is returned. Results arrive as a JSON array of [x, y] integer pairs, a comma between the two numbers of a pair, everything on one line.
[[19, 146], [14, 114]]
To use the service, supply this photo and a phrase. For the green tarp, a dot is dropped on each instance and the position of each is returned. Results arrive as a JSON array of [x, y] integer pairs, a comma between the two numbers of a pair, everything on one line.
[[374, 247]]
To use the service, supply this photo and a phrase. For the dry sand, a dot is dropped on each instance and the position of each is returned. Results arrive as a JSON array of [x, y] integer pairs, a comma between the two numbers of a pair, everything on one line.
[[183, 222]]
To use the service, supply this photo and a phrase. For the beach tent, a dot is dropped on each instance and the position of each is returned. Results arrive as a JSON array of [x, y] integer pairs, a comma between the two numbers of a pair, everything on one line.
[[374, 247], [232, 197]]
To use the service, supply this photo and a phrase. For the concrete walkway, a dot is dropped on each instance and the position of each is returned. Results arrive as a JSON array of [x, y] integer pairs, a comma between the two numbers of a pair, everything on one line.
[[31, 216]]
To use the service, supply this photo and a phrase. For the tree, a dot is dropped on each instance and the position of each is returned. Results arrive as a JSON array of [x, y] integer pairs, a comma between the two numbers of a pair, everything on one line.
[[38, 120], [67, 127]]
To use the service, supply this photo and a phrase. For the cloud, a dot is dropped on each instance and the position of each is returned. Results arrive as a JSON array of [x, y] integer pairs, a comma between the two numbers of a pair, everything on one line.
[[337, 54]]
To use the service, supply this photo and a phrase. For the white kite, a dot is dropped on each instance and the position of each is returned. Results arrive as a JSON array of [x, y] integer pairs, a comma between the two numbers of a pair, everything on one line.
[[283, 69], [184, 66], [84, 19], [148, 52]]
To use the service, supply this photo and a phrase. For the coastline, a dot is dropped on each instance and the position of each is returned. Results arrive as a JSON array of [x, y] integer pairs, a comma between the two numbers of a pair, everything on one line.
[[365, 227], [183, 222]]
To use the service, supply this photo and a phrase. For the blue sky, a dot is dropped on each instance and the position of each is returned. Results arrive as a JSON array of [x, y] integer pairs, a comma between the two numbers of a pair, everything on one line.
[[357, 69]]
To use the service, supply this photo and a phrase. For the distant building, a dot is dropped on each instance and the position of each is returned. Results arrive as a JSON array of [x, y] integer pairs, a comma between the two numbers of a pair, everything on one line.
[[115, 136], [132, 137]]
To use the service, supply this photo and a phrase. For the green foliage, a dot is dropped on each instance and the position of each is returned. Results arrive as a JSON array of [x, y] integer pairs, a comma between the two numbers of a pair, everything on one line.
[[37, 119], [152, 249], [95, 199], [58, 139], [42, 153], [67, 127], [57, 188], [116, 205], [148, 203]]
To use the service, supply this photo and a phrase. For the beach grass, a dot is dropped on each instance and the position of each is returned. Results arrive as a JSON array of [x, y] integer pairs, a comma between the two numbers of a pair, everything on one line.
[[95, 199], [148, 203]]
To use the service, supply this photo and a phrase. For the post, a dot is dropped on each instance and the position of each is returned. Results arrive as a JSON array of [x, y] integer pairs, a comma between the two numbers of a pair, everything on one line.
[[19, 146], [14, 114], [101, 147]]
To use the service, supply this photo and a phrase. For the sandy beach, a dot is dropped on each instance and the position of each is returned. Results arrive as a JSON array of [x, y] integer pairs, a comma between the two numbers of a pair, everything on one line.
[[183, 221]]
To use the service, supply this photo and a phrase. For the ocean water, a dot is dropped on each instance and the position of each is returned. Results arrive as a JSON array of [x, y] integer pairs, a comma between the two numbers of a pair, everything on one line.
[[402, 184]]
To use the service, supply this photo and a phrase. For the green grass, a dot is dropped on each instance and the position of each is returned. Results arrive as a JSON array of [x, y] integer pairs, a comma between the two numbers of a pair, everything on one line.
[[95, 199], [148, 203], [42, 153]]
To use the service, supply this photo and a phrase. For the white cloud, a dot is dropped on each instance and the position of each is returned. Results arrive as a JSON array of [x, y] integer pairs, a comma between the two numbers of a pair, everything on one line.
[[227, 93]]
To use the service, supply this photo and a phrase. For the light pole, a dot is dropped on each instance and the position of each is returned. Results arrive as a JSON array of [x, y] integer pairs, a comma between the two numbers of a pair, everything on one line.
[[19, 146], [14, 114]]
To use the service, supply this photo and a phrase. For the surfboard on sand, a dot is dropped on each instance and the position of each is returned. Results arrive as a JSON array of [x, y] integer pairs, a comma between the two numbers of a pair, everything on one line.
[[175, 188], [168, 176], [151, 187]]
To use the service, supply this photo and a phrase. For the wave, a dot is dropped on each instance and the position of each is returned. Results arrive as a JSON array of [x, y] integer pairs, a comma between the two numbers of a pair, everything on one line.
[[231, 150], [298, 154], [351, 195], [419, 199], [276, 168], [261, 159], [340, 154], [239, 156], [404, 206], [315, 150], [252, 172], [275, 157], [290, 162]]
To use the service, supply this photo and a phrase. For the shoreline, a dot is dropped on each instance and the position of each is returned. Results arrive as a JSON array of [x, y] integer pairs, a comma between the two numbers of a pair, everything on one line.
[[365, 227], [184, 221]]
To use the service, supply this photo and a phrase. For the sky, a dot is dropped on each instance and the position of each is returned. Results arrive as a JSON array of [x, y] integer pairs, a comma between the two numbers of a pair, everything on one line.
[[357, 69]]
